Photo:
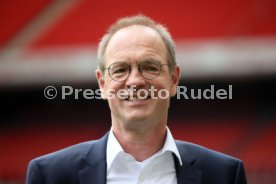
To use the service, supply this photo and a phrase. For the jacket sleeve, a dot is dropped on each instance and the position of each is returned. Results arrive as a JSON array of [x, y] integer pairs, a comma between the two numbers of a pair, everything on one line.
[[34, 175], [240, 177]]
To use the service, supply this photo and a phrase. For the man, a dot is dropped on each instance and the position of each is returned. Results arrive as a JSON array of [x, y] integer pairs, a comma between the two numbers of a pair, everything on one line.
[[137, 75]]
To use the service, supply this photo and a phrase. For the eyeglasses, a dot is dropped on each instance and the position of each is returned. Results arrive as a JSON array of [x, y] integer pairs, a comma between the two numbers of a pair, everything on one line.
[[119, 71]]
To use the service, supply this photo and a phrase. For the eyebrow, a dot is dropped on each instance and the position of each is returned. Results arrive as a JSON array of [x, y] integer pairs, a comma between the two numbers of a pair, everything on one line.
[[149, 60], [139, 61]]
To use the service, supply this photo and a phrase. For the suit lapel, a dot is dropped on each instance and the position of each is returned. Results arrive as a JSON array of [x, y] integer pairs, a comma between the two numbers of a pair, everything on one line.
[[94, 170], [93, 174], [186, 173]]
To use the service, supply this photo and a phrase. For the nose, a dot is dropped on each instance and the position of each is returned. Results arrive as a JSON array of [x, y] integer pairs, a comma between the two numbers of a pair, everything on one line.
[[135, 78]]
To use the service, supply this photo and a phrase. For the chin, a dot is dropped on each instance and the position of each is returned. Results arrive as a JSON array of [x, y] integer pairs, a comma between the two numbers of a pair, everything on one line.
[[137, 119]]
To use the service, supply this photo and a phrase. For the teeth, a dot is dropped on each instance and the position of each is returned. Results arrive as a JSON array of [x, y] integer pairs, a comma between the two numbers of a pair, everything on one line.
[[137, 98]]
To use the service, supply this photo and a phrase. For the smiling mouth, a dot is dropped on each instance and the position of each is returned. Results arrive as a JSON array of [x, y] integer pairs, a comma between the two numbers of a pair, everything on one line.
[[137, 98]]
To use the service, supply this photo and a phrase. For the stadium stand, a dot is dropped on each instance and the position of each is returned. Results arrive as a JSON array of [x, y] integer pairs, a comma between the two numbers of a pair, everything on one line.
[[50, 42], [16, 15]]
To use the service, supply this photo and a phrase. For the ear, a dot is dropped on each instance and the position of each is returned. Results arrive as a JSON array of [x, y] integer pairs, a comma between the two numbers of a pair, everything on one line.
[[175, 77], [100, 80]]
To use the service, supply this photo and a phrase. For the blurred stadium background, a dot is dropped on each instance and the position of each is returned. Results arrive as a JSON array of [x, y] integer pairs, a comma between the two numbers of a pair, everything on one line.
[[219, 42]]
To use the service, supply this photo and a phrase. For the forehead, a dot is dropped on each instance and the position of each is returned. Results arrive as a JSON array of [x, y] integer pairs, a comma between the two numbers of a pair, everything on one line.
[[134, 43]]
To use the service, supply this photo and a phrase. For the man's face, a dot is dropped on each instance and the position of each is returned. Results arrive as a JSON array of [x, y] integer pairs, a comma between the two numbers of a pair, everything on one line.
[[134, 45]]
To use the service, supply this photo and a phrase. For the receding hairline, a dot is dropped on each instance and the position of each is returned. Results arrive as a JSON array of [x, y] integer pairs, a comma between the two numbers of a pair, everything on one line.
[[145, 29], [138, 20]]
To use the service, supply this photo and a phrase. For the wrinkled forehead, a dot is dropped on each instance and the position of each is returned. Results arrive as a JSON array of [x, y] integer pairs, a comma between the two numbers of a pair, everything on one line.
[[134, 41]]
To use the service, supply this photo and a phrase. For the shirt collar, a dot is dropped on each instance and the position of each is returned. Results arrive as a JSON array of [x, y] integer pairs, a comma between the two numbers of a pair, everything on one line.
[[114, 147], [170, 145]]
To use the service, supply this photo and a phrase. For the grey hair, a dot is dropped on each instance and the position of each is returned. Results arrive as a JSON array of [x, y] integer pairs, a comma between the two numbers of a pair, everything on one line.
[[137, 20]]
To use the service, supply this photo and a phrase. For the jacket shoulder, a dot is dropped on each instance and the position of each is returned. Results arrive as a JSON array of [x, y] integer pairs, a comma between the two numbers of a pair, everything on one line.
[[61, 166], [202, 153], [215, 166]]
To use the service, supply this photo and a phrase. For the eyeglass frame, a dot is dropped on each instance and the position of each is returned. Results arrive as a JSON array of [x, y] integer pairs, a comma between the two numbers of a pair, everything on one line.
[[138, 67]]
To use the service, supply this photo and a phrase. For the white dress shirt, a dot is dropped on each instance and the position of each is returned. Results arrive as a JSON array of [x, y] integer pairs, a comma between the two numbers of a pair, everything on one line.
[[122, 168]]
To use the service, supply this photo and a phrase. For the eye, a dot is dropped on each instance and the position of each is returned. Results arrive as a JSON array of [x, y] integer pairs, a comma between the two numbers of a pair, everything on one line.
[[119, 68], [150, 67]]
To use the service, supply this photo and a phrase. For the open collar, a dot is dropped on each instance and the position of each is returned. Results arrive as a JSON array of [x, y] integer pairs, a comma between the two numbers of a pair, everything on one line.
[[114, 148], [94, 170]]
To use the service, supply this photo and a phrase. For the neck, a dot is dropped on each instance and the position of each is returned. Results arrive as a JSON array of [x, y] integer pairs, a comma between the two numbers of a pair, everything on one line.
[[141, 144]]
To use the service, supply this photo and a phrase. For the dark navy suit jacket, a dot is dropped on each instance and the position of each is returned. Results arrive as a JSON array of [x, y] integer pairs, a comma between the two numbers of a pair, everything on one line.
[[85, 163]]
